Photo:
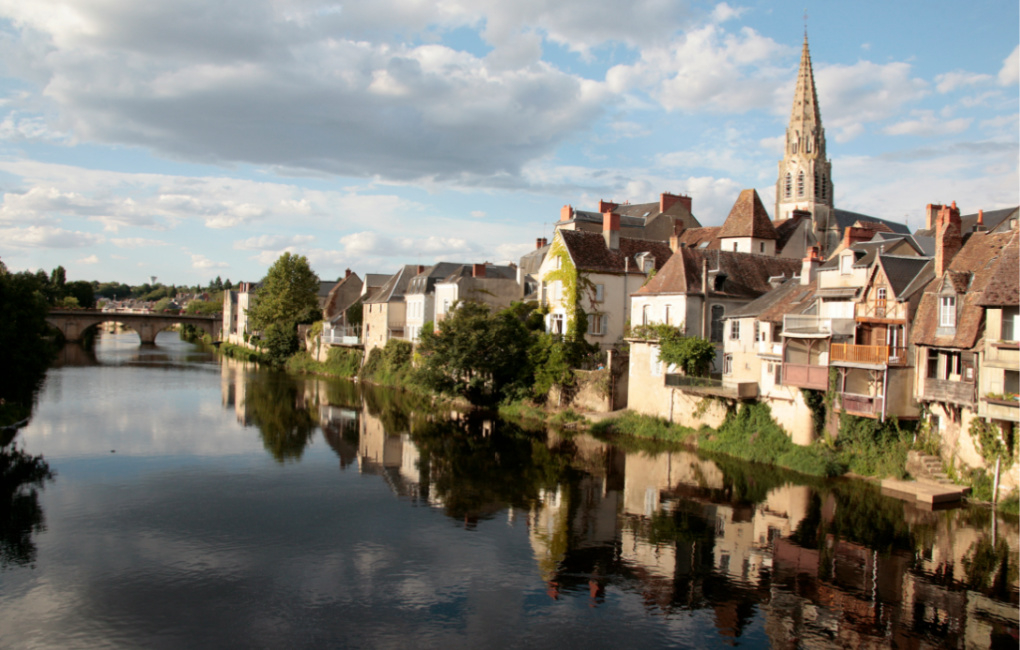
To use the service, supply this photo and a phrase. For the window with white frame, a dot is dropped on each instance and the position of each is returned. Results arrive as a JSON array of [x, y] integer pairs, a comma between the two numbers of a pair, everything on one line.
[[600, 292], [1011, 323], [846, 264], [598, 324], [735, 330], [556, 323], [646, 315], [947, 311]]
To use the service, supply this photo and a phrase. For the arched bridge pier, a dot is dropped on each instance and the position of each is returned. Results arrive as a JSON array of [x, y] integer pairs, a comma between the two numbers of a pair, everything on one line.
[[73, 323]]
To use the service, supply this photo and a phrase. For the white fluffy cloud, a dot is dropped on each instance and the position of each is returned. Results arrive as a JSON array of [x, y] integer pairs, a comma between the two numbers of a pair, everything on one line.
[[46, 237], [1009, 75]]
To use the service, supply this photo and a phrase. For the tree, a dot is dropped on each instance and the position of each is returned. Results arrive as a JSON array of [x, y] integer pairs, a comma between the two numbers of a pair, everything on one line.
[[475, 354], [691, 353], [287, 295]]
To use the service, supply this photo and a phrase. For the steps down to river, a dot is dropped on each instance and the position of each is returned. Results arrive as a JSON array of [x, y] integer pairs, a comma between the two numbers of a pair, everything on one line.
[[931, 485]]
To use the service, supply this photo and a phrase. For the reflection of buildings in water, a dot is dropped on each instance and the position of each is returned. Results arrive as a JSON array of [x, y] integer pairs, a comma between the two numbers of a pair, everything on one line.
[[394, 456], [233, 374], [340, 429]]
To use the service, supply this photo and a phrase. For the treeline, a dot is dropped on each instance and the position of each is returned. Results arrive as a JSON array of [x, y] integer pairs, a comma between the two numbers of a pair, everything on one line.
[[156, 291]]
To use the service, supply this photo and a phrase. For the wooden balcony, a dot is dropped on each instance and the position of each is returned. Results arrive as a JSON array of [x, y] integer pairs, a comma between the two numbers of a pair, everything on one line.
[[1002, 354], [952, 392], [875, 355], [713, 387], [860, 404], [803, 375]]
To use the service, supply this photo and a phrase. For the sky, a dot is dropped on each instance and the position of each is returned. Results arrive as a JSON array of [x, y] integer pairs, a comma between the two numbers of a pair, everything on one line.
[[190, 139]]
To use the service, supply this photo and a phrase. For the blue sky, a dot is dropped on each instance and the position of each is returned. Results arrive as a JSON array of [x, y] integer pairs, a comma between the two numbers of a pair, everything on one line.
[[189, 139]]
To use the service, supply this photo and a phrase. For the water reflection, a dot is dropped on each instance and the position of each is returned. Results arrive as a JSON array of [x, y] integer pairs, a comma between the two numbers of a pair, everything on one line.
[[22, 475]]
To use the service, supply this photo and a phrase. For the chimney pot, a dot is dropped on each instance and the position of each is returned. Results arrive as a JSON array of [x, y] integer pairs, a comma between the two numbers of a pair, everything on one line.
[[347, 273], [478, 270], [566, 213], [611, 230], [421, 269], [948, 238]]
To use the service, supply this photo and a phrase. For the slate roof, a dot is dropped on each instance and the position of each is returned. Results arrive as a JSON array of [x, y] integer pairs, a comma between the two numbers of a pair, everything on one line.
[[992, 219], [983, 273], [425, 282], [748, 218], [744, 275], [846, 218], [395, 286], [589, 252], [492, 272], [791, 297], [901, 271], [531, 262], [788, 228]]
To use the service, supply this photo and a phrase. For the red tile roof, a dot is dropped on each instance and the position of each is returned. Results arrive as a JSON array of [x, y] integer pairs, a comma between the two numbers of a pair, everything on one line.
[[589, 252], [748, 218]]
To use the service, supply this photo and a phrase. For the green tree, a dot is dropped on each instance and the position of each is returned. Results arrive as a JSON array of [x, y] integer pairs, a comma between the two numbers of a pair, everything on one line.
[[83, 292], [475, 354], [287, 295], [691, 353], [24, 354]]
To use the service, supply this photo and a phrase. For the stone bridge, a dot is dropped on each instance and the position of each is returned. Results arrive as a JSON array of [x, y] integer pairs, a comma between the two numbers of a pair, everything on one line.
[[73, 322]]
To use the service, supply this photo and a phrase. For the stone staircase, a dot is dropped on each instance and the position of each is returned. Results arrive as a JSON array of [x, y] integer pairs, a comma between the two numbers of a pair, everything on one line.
[[926, 468]]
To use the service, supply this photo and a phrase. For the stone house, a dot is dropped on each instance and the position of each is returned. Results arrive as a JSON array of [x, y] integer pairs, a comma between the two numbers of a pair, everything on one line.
[[488, 284], [384, 314]]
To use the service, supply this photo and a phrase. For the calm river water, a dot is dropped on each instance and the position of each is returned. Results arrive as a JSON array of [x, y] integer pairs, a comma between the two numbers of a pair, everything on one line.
[[200, 502]]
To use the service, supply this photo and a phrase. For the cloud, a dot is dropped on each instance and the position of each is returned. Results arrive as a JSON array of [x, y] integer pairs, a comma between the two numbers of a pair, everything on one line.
[[950, 81], [203, 262], [852, 95], [478, 214], [926, 124], [267, 83], [47, 237], [272, 242], [91, 259], [1010, 72], [372, 244], [136, 242]]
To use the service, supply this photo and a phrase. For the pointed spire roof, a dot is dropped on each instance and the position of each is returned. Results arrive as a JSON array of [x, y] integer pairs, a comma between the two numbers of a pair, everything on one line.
[[805, 99], [748, 218]]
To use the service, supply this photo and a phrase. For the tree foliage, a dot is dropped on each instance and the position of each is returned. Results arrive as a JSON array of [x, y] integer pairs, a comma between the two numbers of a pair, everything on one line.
[[23, 352], [693, 354], [475, 354], [287, 295]]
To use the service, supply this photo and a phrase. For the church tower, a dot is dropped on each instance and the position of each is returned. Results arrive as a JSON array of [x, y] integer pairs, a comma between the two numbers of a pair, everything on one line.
[[805, 174]]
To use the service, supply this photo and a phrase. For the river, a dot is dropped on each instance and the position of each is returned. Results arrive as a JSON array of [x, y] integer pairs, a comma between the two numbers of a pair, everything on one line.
[[195, 501]]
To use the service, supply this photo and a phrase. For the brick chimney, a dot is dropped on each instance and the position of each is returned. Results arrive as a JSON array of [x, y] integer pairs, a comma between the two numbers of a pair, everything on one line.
[[421, 269], [566, 213], [611, 230], [607, 206], [931, 213], [948, 237], [347, 273], [674, 243], [667, 201], [809, 265], [853, 235], [478, 270]]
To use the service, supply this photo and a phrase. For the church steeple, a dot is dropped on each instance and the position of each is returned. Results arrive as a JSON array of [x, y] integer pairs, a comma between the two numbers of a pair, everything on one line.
[[805, 179]]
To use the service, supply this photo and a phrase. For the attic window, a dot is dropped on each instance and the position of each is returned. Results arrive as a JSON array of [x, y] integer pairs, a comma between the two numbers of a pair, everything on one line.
[[947, 311], [720, 278], [703, 244], [846, 264]]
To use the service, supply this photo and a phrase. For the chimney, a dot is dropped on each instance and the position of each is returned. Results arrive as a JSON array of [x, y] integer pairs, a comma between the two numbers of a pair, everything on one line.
[[478, 270], [980, 225], [674, 243], [545, 242], [809, 265], [667, 201], [611, 230], [347, 273], [538, 243], [931, 212], [948, 237], [607, 206], [421, 269], [566, 213], [853, 235]]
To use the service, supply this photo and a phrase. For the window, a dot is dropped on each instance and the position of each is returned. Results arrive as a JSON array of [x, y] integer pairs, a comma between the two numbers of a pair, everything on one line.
[[665, 318], [600, 292], [734, 247], [800, 183], [846, 264], [757, 332], [735, 330], [933, 364], [947, 311], [788, 188], [1011, 324], [954, 365], [556, 323], [598, 324], [1011, 382], [778, 378], [727, 364], [761, 247], [646, 315], [717, 323]]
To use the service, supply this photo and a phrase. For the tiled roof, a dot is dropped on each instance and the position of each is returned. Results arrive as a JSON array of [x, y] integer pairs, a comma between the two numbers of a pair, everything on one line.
[[748, 218], [986, 263], [705, 237], [791, 297], [589, 252], [730, 274]]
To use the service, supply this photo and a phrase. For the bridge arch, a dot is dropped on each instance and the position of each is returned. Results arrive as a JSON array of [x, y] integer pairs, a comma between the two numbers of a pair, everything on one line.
[[74, 323]]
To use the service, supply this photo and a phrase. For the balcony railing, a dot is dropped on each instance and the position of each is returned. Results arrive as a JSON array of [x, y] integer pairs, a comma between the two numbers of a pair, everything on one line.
[[341, 336], [798, 324], [806, 376], [883, 355], [954, 392], [716, 387], [860, 404]]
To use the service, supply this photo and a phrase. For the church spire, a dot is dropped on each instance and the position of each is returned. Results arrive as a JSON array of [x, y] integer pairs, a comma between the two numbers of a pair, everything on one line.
[[805, 180]]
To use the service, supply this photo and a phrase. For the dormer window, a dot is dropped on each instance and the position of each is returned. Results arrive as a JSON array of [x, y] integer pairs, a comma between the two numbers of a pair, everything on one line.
[[846, 264], [645, 261], [947, 311]]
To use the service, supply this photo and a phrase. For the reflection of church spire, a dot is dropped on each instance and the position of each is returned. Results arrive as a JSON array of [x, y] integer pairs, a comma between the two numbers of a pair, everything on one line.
[[805, 178]]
